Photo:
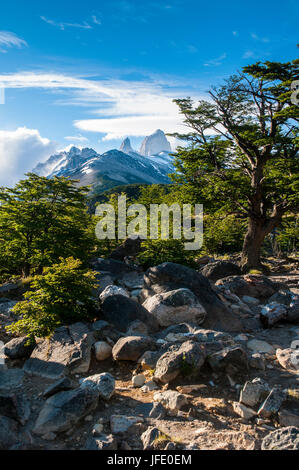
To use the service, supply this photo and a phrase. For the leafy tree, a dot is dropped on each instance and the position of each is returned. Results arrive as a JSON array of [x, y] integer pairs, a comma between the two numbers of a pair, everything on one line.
[[62, 295], [41, 220], [243, 150]]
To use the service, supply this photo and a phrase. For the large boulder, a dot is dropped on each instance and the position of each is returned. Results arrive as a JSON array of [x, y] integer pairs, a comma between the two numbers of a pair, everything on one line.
[[120, 311], [282, 439], [175, 307], [69, 350], [253, 285], [131, 348], [103, 383], [171, 276], [18, 348], [185, 359], [220, 269], [62, 411]]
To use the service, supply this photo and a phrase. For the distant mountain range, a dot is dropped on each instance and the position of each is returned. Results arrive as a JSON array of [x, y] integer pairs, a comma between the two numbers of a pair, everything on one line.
[[152, 164]]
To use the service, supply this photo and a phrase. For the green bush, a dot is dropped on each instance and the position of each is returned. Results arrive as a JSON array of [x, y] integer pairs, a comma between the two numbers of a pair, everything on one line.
[[61, 296]]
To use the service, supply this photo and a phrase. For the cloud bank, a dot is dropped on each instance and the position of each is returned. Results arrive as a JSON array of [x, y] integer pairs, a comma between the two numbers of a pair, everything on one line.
[[119, 108], [20, 151]]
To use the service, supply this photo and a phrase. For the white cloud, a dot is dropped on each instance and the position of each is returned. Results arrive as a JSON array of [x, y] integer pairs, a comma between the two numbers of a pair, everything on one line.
[[8, 39], [216, 62], [258, 38], [63, 25], [123, 108], [116, 128], [20, 151], [76, 138]]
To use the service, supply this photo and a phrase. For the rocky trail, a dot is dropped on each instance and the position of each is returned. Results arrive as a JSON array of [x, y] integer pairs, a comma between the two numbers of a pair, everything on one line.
[[177, 359]]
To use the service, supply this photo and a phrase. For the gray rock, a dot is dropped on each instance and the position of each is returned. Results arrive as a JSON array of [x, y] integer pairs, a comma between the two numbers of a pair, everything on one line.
[[176, 306], [282, 439], [254, 285], [288, 359], [103, 383], [171, 276], [149, 438], [138, 380], [137, 328], [10, 286], [113, 290], [231, 359], [65, 383], [120, 311], [102, 350], [253, 392], [281, 297], [185, 360], [63, 411], [11, 379], [69, 347], [259, 346], [18, 348], [41, 368], [131, 348], [272, 403], [243, 411], [220, 269], [158, 411], [171, 399]]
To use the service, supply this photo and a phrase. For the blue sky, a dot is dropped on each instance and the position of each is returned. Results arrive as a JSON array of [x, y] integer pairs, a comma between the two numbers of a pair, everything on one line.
[[90, 73]]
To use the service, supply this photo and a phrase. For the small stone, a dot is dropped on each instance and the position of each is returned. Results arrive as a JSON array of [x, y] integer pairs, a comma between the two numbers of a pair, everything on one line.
[[102, 350], [149, 387], [103, 383], [138, 380], [158, 411], [252, 392], [243, 411], [88, 418], [149, 437], [171, 399]]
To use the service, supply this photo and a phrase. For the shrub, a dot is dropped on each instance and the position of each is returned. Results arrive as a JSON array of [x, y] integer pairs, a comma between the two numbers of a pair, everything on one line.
[[61, 296]]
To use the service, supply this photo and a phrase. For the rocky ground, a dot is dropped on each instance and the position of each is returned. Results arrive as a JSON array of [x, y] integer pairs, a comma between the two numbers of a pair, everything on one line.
[[177, 359]]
